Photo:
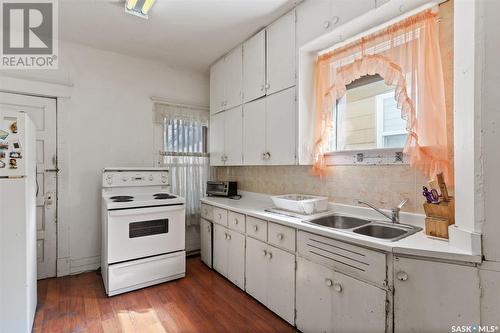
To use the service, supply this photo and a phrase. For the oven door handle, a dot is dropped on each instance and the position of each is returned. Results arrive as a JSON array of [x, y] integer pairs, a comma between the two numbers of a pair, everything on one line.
[[142, 211]]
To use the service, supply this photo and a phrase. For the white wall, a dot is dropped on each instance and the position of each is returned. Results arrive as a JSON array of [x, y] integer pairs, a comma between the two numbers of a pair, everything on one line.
[[107, 121]]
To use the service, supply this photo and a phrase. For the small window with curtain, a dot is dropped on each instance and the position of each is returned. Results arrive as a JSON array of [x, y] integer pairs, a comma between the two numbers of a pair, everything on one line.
[[185, 137]]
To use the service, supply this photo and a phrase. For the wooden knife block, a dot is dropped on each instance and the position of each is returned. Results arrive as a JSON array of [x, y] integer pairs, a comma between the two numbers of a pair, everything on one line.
[[439, 217]]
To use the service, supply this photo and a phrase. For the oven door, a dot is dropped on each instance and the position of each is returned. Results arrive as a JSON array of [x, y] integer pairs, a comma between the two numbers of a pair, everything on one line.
[[144, 232]]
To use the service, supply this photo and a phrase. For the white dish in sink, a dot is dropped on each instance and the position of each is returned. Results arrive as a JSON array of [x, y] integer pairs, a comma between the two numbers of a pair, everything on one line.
[[301, 203]]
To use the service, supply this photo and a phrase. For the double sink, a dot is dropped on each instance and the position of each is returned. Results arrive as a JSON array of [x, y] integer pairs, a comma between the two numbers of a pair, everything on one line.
[[375, 229]]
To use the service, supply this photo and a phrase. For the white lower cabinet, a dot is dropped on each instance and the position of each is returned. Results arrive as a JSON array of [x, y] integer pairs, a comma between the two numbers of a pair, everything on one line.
[[229, 254], [328, 301], [206, 242], [270, 277], [434, 296]]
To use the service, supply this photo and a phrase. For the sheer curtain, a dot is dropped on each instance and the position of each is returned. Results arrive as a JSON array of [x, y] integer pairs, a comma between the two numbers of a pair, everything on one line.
[[184, 151]]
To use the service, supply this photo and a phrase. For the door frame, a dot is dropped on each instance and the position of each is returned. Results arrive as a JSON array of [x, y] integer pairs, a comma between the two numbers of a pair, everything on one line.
[[62, 92]]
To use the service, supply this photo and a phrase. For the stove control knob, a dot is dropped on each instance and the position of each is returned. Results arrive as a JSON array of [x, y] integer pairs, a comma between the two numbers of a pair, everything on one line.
[[109, 179], [125, 179], [151, 178], [163, 179]]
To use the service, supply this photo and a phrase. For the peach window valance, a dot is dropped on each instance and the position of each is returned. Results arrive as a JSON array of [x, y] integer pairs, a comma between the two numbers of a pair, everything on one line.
[[407, 56]]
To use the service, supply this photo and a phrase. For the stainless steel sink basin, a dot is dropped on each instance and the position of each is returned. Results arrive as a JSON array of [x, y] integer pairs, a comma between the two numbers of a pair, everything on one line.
[[339, 222], [380, 231]]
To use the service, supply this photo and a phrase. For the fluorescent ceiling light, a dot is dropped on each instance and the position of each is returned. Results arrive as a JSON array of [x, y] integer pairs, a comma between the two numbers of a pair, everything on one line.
[[139, 7]]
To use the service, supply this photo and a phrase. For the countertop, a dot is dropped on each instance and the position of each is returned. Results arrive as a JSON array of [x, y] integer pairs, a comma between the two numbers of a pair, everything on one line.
[[418, 244]]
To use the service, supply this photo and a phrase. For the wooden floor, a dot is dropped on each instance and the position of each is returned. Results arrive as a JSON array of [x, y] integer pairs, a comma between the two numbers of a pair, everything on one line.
[[202, 302]]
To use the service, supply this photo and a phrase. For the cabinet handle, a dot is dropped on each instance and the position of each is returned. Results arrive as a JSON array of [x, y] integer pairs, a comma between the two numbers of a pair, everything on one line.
[[326, 25], [280, 236], [337, 287], [255, 228], [235, 221], [269, 255], [220, 216], [225, 235], [329, 282], [228, 237], [262, 87], [264, 252], [402, 276], [263, 156], [268, 86], [208, 228]]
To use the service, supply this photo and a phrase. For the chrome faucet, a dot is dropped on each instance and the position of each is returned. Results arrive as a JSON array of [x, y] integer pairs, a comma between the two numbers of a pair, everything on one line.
[[395, 211]]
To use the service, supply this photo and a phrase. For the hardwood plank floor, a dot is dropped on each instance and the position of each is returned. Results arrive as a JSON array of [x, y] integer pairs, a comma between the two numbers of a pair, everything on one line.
[[203, 301]]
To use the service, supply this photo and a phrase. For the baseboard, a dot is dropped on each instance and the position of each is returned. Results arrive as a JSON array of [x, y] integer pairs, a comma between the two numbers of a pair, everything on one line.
[[63, 266], [84, 264]]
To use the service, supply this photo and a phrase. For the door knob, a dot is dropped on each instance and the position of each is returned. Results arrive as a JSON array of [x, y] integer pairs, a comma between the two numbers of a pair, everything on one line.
[[402, 276]]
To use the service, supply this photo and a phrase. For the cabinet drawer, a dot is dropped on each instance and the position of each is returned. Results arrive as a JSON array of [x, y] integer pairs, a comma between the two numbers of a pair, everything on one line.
[[236, 221], [281, 236], [220, 216], [351, 259], [256, 228], [207, 212]]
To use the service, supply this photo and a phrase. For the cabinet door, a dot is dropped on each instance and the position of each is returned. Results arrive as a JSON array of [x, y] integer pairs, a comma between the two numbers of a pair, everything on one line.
[[254, 132], [280, 127], [206, 242], [433, 296], [256, 270], [217, 139], [314, 297], [281, 283], [254, 67], [236, 258], [280, 41], [217, 87], [220, 249], [233, 136], [354, 299], [233, 78]]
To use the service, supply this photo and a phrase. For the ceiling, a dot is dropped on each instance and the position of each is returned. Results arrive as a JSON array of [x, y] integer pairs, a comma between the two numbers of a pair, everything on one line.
[[189, 34]]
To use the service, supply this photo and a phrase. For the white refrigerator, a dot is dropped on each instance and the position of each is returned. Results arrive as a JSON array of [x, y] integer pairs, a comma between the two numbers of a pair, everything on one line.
[[17, 222]]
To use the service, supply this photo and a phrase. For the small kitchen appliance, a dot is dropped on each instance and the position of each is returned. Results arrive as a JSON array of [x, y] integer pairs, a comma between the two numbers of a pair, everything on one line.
[[18, 242], [222, 188], [143, 229]]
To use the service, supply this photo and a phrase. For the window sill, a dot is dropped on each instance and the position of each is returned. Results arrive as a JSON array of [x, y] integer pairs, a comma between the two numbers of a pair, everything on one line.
[[384, 156]]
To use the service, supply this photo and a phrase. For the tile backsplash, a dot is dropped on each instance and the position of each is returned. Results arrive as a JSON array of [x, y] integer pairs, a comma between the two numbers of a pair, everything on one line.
[[385, 186]]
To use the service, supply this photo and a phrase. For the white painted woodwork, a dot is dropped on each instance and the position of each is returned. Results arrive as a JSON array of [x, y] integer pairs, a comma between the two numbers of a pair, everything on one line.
[[280, 128], [354, 260], [220, 252], [254, 132], [207, 212], [233, 78], [42, 112], [206, 242], [217, 139], [254, 67], [217, 87], [233, 136], [220, 216], [281, 236], [433, 296], [236, 258], [256, 228], [236, 221], [270, 277], [256, 260], [280, 55]]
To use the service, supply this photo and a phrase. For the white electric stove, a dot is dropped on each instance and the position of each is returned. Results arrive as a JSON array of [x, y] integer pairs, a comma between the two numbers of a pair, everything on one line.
[[143, 229]]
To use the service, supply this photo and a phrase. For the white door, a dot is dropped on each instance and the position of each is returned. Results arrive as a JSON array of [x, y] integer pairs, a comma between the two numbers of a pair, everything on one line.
[[280, 62], [352, 300], [217, 139], [256, 266], [314, 297], [280, 127], [43, 113], [233, 78], [236, 258], [206, 242], [233, 136], [217, 87], [450, 293], [220, 249], [281, 283], [254, 132], [254, 67]]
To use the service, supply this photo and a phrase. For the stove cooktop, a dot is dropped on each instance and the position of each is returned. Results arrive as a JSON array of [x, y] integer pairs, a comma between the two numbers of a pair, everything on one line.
[[132, 200], [163, 196]]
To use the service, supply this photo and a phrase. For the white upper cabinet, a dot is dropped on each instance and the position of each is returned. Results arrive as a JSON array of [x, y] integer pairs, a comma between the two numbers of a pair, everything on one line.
[[316, 17], [254, 132], [254, 67], [226, 137], [234, 78], [280, 55], [226, 82], [280, 128]]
